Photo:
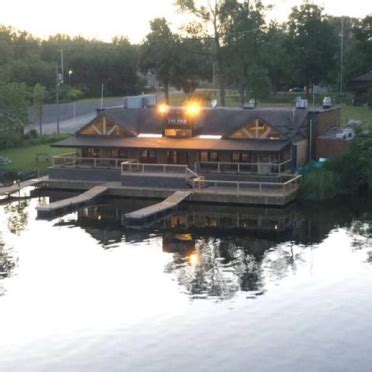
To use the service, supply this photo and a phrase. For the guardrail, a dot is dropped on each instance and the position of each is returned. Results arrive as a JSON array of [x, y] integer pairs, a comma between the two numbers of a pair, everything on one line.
[[246, 188], [73, 161], [129, 167], [243, 168]]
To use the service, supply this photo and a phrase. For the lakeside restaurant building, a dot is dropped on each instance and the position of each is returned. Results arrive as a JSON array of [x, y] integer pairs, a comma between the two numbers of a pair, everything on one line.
[[266, 138], [221, 155]]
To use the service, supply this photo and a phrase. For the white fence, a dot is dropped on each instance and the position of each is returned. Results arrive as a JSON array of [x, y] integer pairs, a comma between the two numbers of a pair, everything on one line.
[[247, 188], [243, 168], [129, 167], [73, 161]]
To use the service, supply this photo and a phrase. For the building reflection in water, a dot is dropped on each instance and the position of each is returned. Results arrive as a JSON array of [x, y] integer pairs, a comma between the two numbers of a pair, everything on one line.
[[220, 250]]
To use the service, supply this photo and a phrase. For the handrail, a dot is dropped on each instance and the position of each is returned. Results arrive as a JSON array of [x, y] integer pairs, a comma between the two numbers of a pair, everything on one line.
[[75, 161], [199, 184], [237, 166], [143, 168]]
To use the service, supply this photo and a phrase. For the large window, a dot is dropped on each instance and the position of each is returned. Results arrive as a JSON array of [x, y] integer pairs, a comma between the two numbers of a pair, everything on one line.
[[209, 156], [148, 156]]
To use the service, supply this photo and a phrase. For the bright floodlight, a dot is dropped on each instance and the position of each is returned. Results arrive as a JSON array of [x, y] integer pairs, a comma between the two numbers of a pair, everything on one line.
[[193, 109], [163, 109]]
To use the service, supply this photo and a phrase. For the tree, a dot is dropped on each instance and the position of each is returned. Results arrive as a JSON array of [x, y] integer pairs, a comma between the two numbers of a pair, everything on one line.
[[211, 14], [38, 98], [243, 41], [312, 45], [13, 112], [159, 53]]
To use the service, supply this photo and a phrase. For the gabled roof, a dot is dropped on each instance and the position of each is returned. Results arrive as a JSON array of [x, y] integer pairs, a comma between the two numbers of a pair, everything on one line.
[[132, 121], [364, 78], [166, 143], [220, 121]]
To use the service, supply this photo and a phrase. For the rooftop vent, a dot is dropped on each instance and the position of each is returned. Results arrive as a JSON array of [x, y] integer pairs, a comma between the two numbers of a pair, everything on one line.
[[251, 104], [327, 102], [301, 104]]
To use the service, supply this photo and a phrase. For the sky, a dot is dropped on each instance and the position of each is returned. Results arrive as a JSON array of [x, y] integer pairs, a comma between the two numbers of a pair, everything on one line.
[[106, 18]]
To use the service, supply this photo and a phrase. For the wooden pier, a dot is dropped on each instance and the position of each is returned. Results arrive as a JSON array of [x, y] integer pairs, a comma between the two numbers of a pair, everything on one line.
[[147, 215], [61, 206], [9, 190]]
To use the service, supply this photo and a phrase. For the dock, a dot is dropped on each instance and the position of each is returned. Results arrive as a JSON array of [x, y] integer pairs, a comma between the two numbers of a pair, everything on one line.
[[153, 212], [9, 190], [61, 206]]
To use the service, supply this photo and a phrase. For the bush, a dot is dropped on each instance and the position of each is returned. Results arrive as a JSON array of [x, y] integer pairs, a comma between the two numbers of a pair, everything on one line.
[[320, 184]]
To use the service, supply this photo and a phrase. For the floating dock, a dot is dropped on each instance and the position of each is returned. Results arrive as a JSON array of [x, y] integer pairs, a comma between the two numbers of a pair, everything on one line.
[[150, 214], [9, 190], [61, 206]]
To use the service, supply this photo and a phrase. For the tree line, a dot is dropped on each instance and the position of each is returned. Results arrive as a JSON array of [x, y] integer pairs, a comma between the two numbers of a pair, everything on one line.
[[229, 44]]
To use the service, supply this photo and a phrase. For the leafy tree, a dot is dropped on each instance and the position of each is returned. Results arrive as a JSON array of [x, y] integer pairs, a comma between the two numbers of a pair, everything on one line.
[[159, 53], [312, 44], [212, 15], [14, 99], [243, 40], [39, 94]]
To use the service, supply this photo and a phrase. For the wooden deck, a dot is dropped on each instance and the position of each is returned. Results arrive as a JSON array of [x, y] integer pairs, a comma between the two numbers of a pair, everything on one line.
[[47, 211], [156, 210], [7, 191]]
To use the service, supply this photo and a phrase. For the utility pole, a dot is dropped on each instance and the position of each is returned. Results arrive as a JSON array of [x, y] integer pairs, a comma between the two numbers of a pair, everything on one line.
[[342, 55]]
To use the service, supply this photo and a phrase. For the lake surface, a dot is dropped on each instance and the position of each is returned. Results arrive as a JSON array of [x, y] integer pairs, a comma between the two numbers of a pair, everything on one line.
[[207, 289]]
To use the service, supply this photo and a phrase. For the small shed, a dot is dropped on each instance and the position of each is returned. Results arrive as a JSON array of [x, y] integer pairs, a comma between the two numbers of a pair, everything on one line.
[[362, 89], [335, 142]]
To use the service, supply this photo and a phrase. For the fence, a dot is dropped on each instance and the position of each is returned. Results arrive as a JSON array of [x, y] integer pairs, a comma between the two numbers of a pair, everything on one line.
[[247, 188], [244, 168], [74, 161]]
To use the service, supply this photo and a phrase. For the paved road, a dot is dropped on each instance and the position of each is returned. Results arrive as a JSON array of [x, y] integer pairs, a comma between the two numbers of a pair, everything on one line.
[[65, 126]]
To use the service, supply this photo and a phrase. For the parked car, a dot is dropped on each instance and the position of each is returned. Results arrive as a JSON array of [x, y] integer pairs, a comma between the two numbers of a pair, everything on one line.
[[296, 90]]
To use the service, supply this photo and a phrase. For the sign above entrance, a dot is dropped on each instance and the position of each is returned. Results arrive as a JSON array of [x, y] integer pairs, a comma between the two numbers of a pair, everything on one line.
[[181, 121]]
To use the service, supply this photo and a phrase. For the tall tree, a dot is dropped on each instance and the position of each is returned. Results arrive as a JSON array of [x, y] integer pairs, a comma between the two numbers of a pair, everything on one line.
[[312, 46], [243, 40], [159, 53], [13, 112], [211, 14]]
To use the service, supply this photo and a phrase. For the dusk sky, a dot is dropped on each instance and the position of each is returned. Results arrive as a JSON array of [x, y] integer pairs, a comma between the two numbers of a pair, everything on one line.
[[105, 19]]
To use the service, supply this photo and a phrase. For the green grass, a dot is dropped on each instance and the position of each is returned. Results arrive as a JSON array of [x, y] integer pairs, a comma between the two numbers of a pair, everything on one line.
[[24, 159], [362, 113]]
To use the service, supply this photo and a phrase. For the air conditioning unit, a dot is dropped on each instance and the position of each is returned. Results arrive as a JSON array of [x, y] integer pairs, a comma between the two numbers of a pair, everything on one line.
[[327, 102], [251, 104], [302, 104]]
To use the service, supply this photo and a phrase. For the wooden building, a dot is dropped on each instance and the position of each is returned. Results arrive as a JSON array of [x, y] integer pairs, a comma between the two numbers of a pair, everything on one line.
[[201, 137]]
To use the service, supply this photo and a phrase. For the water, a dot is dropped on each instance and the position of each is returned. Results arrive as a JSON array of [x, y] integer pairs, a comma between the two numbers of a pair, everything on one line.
[[208, 289]]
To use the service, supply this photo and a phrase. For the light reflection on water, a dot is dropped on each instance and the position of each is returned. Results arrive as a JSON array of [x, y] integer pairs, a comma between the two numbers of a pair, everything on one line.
[[212, 289]]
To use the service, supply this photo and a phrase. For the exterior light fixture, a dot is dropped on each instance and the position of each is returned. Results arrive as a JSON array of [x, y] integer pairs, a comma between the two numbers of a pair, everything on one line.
[[193, 109], [163, 109]]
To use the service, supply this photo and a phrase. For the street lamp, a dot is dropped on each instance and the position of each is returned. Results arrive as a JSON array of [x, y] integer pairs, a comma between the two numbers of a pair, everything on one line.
[[59, 82], [69, 77]]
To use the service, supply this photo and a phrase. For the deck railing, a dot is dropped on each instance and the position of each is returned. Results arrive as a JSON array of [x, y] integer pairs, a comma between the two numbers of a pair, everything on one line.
[[243, 168], [129, 167], [73, 161], [248, 188]]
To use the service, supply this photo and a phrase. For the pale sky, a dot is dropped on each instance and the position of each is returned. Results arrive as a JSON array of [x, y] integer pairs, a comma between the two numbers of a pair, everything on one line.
[[107, 18]]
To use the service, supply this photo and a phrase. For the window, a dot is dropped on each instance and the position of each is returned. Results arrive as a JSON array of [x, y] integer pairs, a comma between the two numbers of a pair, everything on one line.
[[235, 156], [204, 156], [148, 156], [213, 156], [245, 158], [123, 154]]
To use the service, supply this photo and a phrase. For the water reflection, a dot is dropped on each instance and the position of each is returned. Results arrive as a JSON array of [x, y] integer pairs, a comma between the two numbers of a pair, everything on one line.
[[215, 251]]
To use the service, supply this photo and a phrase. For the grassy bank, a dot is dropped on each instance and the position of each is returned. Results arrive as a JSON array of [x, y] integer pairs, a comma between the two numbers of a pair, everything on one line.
[[32, 158]]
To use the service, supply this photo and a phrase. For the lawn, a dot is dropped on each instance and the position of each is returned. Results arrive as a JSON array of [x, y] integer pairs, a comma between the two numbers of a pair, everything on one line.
[[35, 158]]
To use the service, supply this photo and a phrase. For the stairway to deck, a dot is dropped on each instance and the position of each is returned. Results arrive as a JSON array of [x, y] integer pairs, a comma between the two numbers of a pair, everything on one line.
[[155, 211], [47, 211]]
